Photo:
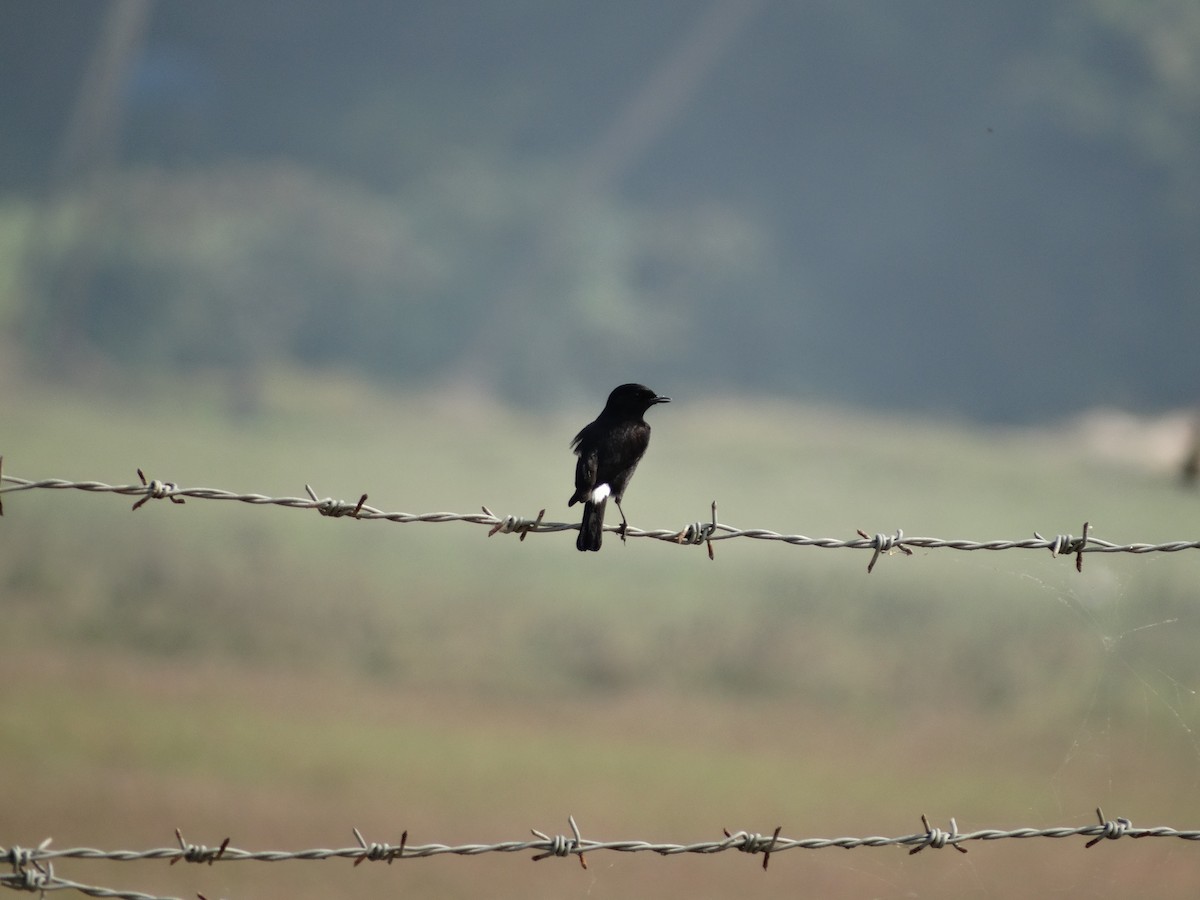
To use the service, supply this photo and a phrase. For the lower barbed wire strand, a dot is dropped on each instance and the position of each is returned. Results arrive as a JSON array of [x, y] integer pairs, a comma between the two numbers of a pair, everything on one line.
[[33, 869], [741, 840]]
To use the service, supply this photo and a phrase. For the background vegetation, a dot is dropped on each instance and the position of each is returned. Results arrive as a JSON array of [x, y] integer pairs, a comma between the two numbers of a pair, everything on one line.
[[989, 211], [279, 677], [900, 266]]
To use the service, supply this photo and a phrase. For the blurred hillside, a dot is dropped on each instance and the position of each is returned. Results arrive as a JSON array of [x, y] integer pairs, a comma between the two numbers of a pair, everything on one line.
[[990, 210]]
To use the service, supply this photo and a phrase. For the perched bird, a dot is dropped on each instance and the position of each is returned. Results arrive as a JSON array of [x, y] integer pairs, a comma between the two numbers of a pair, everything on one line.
[[609, 449]]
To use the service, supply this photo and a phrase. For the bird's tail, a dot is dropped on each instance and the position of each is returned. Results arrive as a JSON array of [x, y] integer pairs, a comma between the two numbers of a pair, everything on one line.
[[592, 528]]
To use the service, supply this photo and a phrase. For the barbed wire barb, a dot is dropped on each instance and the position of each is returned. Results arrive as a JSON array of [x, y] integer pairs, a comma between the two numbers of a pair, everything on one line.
[[752, 842], [1112, 829], [514, 524], [937, 839], [376, 852], [198, 853], [1067, 544], [699, 532], [335, 508], [157, 490], [884, 543], [562, 846]]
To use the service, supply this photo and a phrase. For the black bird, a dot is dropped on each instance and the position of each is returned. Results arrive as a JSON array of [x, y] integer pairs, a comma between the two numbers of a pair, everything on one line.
[[609, 449]]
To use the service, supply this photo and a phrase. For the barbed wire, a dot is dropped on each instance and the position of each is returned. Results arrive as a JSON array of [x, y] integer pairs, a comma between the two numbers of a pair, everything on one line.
[[33, 868], [692, 534]]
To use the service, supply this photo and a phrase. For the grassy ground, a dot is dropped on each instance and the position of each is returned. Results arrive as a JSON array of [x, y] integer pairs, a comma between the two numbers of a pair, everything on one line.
[[277, 677]]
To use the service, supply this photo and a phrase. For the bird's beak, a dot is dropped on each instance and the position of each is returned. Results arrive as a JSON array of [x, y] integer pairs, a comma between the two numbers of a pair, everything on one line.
[[662, 399]]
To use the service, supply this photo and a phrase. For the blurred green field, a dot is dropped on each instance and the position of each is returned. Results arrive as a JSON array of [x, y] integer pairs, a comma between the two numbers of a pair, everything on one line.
[[277, 677]]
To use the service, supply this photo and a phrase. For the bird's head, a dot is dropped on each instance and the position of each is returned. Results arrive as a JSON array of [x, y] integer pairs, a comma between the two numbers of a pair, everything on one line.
[[633, 399]]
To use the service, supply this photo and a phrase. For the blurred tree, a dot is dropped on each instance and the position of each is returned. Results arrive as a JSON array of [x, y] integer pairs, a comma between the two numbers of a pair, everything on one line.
[[979, 200]]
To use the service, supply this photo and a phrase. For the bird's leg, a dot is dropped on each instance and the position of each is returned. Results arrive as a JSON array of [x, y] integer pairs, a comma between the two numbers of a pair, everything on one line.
[[624, 523]]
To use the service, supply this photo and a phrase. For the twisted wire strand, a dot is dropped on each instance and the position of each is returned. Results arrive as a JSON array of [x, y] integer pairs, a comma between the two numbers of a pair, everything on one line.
[[696, 533], [34, 880], [33, 868]]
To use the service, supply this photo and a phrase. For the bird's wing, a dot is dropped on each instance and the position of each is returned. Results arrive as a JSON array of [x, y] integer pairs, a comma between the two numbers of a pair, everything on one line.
[[585, 473]]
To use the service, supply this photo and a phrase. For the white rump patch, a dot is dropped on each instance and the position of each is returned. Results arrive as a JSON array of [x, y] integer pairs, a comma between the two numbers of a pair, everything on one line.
[[600, 492]]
